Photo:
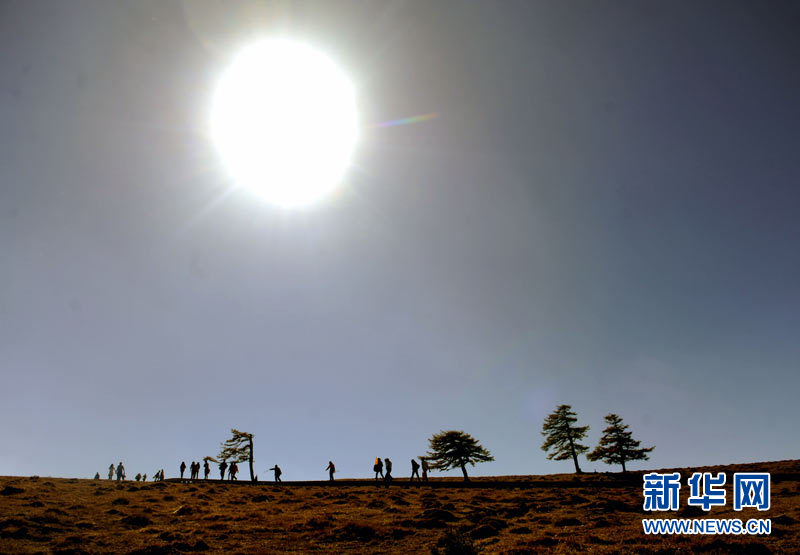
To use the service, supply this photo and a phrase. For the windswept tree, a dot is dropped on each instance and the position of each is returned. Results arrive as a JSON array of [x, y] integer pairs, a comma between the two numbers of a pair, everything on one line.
[[239, 448], [562, 437], [455, 449], [617, 444]]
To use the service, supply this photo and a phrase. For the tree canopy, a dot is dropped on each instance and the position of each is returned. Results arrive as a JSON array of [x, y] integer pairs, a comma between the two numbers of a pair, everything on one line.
[[562, 437], [455, 449], [617, 444]]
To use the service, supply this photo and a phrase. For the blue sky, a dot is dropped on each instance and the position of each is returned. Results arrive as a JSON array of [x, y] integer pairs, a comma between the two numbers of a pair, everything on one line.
[[604, 214]]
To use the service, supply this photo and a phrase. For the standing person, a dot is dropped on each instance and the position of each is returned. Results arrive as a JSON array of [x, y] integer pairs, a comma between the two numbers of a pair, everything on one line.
[[388, 478], [424, 469], [183, 468], [111, 471], [331, 470], [414, 470], [120, 472], [206, 469], [277, 470], [195, 470], [222, 466], [233, 469], [378, 468]]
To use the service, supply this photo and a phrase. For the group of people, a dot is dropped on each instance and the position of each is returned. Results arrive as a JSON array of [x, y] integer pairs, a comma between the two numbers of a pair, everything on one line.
[[119, 472], [387, 463], [382, 468], [233, 470], [194, 469]]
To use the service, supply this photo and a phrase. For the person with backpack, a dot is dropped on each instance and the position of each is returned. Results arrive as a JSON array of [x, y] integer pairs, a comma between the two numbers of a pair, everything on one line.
[[277, 470], [415, 470], [378, 468], [387, 479]]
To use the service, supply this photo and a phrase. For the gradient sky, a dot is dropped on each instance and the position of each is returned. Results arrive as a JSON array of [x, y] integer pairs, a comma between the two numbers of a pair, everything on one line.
[[604, 214]]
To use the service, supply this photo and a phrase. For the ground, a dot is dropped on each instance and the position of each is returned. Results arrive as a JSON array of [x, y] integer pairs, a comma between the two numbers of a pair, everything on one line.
[[597, 513]]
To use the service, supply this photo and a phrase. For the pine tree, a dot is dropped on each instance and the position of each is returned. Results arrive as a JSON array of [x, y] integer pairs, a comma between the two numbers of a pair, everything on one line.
[[239, 448], [562, 436], [617, 446], [455, 449]]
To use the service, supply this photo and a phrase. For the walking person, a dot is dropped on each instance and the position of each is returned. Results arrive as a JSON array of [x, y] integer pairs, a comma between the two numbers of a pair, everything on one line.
[[331, 470], [277, 470], [415, 470], [424, 469], [206, 470], [378, 468], [387, 479], [233, 469], [120, 472], [111, 471], [222, 466], [183, 468]]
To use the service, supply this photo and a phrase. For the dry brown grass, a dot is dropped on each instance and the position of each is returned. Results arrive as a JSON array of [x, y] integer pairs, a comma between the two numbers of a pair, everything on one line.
[[598, 513]]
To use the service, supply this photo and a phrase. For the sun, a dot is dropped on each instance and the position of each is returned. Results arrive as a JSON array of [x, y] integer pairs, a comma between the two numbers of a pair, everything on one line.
[[283, 119]]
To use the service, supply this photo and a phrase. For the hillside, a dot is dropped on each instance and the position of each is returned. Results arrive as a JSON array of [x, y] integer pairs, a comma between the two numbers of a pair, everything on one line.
[[600, 513]]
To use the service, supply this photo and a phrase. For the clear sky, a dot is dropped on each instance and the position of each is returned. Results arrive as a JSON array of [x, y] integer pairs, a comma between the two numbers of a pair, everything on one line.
[[604, 214]]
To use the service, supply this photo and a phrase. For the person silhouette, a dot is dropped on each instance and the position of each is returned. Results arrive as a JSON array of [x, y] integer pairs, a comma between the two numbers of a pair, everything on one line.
[[331, 470], [424, 469], [206, 469], [97, 476], [378, 468], [387, 479], [277, 470], [120, 472], [414, 470], [195, 470], [111, 471], [183, 468], [222, 466], [233, 469]]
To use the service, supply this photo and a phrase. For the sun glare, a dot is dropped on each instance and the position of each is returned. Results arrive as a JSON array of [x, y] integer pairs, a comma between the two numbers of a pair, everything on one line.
[[284, 122]]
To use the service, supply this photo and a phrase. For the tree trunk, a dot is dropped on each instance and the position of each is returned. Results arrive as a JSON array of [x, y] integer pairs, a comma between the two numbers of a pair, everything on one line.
[[574, 455], [252, 478], [623, 465], [464, 471]]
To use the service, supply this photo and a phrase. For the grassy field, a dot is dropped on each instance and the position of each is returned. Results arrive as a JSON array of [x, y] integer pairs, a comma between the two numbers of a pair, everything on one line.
[[597, 513]]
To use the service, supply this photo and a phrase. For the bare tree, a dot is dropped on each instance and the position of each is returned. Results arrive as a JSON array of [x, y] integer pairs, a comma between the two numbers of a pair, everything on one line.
[[239, 448]]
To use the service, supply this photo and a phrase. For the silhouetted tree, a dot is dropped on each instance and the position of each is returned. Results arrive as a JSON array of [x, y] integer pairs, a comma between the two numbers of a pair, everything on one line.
[[617, 444], [562, 436], [455, 449], [239, 448]]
